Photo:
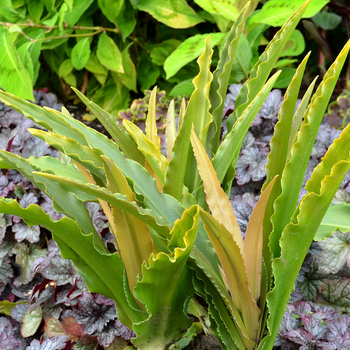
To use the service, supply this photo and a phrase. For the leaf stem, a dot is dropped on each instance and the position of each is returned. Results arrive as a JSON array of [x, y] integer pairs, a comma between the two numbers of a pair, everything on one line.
[[30, 24]]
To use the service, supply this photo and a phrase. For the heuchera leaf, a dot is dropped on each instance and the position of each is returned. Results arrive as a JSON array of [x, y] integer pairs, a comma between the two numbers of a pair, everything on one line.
[[31, 322], [25, 258], [335, 253], [70, 328], [337, 293], [54, 343], [93, 316]]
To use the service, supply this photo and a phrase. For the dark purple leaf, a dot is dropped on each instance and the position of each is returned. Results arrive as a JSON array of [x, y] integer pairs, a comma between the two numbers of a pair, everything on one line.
[[54, 267], [251, 165], [9, 339], [6, 274], [92, 315]]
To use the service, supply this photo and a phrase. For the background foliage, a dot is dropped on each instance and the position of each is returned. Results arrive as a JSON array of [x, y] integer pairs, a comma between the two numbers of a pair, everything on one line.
[[113, 50]]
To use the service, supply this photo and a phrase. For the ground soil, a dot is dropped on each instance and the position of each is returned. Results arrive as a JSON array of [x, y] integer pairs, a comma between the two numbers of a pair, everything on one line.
[[204, 342]]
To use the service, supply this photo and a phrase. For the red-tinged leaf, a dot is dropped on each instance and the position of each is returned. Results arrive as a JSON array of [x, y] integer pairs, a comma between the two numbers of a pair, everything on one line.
[[233, 265], [253, 244], [217, 199], [54, 327]]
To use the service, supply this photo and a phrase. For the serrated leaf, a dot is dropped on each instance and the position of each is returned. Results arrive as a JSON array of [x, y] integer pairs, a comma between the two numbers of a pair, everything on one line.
[[189, 50], [221, 78], [132, 235], [264, 65], [173, 13], [116, 199], [294, 171], [216, 198], [253, 242], [230, 147], [170, 130], [118, 133], [296, 238], [241, 60], [14, 77], [80, 249], [167, 319], [110, 8], [197, 113], [232, 263], [151, 152], [80, 53], [109, 54]]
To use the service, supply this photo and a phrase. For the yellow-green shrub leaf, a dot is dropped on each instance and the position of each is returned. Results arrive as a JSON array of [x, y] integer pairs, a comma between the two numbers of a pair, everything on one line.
[[109, 54], [173, 13], [14, 77], [189, 50], [110, 8], [81, 53]]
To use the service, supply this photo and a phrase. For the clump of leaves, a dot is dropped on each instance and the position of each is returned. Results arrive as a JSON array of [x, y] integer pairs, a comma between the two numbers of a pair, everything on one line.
[[250, 171], [137, 112], [307, 325], [37, 286]]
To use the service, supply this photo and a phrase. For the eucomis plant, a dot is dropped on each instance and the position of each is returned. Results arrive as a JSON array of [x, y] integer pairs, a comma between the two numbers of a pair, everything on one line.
[[179, 249]]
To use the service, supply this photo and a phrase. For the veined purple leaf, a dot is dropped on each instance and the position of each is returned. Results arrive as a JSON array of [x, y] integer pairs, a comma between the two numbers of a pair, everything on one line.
[[9, 339], [93, 316], [54, 343], [25, 258]]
